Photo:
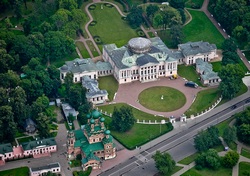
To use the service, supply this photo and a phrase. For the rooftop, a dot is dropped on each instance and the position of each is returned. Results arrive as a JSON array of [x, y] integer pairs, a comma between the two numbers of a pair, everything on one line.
[[38, 143]]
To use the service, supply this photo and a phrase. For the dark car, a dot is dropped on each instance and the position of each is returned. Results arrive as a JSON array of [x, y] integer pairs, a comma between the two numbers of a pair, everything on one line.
[[191, 84], [233, 107]]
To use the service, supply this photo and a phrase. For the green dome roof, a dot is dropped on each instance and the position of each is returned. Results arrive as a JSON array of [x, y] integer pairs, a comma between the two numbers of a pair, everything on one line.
[[92, 121], [107, 132], [88, 116], [96, 114], [102, 119]]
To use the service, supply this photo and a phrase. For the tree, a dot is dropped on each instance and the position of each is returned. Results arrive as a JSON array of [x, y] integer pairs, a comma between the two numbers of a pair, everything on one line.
[[207, 139], [229, 45], [68, 4], [68, 81], [243, 133], [135, 17], [229, 134], [76, 96], [10, 79], [122, 119], [177, 4], [158, 20], [7, 124], [164, 162], [151, 10], [83, 111], [231, 80], [43, 125], [230, 159], [209, 159], [230, 58], [6, 60], [17, 8], [176, 35], [40, 105]]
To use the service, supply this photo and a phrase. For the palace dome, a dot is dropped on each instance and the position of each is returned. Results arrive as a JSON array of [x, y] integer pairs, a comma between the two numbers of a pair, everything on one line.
[[139, 45], [96, 114]]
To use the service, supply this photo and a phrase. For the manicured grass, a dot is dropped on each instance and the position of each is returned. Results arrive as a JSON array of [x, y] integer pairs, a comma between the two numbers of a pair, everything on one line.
[[216, 66], [162, 99], [61, 62], [207, 172], [83, 50], [244, 169], [242, 90], [232, 146], [189, 73], [110, 84], [189, 159], [176, 169], [203, 101], [116, 31], [137, 113], [21, 171], [25, 139], [219, 148], [19, 134], [201, 28], [245, 153], [223, 125], [140, 133], [92, 48]]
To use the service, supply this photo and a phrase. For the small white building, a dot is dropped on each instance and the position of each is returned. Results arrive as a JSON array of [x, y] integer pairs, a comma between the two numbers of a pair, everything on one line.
[[94, 94], [53, 168], [207, 75]]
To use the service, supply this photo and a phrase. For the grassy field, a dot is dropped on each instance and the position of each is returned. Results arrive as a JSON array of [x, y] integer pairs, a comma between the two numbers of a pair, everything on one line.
[[25, 139], [137, 113], [61, 62], [83, 50], [151, 98], [244, 169], [222, 126], [216, 66], [189, 73], [92, 48], [203, 101], [110, 84], [201, 28], [116, 31], [245, 153], [140, 133], [21, 171], [189, 159], [207, 172]]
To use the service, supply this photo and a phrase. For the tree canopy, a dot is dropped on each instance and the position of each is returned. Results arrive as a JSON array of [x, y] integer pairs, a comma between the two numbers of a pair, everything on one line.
[[209, 159], [243, 126], [164, 162], [122, 119]]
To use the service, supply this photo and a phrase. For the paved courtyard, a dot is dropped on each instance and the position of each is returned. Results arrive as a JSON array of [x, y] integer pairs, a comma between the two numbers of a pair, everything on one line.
[[128, 93]]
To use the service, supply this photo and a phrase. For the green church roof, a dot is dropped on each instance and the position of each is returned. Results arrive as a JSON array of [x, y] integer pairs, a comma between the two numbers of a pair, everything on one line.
[[96, 114]]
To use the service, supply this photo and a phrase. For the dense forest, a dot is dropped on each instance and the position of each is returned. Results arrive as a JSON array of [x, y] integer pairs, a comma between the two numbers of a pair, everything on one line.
[[27, 80]]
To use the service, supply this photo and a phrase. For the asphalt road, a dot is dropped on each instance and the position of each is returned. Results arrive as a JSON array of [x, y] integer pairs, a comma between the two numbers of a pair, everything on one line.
[[179, 146]]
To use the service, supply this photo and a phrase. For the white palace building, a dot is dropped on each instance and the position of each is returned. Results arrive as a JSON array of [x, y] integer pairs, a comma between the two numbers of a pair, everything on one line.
[[140, 60]]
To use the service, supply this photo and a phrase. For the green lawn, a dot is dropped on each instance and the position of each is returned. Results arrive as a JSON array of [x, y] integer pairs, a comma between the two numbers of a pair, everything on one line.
[[61, 62], [201, 28], [176, 169], [216, 66], [219, 148], [244, 169], [110, 84], [245, 153], [25, 139], [189, 159], [189, 73], [203, 101], [140, 133], [92, 48], [232, 146], [21, 171], [207, 172], [137, 113], [83, 50], [162, 99], [110, 31], [222, 126]]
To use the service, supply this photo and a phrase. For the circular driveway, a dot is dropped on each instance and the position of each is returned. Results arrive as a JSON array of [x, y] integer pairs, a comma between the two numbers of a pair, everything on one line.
[[128, 93]]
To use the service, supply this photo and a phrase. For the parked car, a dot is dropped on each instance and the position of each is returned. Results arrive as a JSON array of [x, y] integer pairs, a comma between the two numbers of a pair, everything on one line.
[[191, 84]]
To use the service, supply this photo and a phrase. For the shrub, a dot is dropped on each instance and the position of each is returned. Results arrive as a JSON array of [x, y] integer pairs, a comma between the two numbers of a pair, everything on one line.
[[92, 7]]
